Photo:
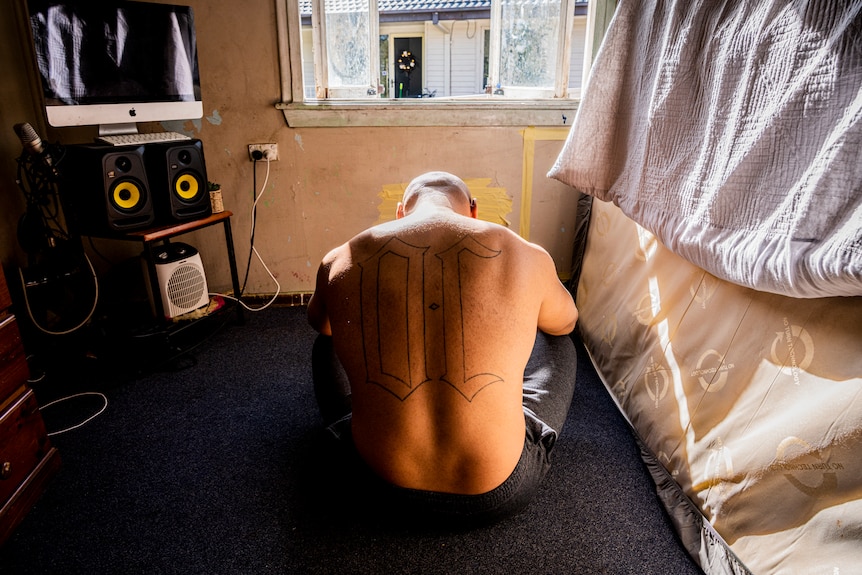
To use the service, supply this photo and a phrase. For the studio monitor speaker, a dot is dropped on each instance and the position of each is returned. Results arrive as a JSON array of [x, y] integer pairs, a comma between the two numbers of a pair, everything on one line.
[[181, 279], [178, 175], [105, 190]]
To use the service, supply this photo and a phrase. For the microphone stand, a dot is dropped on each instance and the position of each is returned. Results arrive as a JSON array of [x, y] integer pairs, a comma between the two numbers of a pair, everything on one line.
[[51, 281], [39, 227]]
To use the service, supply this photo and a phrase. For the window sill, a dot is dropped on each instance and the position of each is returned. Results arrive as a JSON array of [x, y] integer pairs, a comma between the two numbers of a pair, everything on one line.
[[429, 112]]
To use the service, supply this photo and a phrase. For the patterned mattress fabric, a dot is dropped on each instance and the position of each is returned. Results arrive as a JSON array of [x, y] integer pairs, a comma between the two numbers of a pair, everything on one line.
[[748, 404]]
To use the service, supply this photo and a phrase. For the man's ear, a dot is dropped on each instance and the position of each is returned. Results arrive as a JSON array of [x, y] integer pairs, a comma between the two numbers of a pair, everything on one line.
[[474, 209], [399, 211]]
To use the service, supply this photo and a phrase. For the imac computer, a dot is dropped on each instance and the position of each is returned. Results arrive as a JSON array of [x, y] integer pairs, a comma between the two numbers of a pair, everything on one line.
[[114, 64]]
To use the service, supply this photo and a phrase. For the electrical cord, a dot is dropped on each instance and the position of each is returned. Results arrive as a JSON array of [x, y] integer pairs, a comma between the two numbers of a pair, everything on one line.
[[253, 250], [40, 232], [254, 195], [86, 318], [86, 421], [39, 226]]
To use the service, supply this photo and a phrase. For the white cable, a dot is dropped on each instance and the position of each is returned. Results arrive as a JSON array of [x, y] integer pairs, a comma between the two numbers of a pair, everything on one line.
[[77, 327], [30, 379], [254, 249], [86, 421]]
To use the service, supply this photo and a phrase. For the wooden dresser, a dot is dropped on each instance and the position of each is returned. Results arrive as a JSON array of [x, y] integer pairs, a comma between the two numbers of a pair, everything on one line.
[[27, 459]]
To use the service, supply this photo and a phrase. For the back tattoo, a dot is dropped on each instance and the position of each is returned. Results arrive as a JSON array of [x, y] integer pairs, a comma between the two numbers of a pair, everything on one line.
[[397, 306]]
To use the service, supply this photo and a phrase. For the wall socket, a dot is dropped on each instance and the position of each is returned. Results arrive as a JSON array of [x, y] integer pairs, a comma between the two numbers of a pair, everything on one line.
[[267, 152]]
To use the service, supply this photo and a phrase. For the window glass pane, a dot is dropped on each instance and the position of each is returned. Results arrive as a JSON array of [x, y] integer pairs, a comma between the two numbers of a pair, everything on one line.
[[307, 63], [384, 65], [347, 44], [528, 45], [486, 52], [576, 59], [454, 51]]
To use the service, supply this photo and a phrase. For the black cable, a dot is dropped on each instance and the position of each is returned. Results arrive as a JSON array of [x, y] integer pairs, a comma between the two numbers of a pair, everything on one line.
[[253, 225], [54, 256], [39, 228], [96, 251]]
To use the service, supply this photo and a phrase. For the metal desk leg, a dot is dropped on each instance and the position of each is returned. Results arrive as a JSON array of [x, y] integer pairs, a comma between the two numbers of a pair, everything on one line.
[[154, 282], [234, 275]]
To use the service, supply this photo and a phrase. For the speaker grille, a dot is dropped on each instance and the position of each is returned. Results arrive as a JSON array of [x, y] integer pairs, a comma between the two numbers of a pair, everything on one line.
[[177, 175], [188, 188], [127, 196], [186, 286], [105, 190]]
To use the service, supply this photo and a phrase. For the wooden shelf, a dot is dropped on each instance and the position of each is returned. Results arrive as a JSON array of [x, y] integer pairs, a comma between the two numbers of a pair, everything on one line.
[[164, 233], [167, 232]]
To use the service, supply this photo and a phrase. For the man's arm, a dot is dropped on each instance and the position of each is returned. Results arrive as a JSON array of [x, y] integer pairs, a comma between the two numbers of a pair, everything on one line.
[[557, 314], [318, 316]]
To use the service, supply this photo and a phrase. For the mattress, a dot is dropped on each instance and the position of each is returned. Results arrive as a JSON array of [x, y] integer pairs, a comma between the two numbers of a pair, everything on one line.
[[748, 404]]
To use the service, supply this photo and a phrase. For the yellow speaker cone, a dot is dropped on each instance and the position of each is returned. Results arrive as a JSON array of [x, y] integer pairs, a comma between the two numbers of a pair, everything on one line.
[[127, 195], [186, 186]]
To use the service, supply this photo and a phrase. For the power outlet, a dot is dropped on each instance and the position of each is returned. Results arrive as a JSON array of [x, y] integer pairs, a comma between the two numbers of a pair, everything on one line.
[[263, 152]]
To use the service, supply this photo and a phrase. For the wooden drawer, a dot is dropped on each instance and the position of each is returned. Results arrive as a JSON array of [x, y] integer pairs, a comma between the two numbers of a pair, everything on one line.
[[23, 443], [5, 298], [27, 460], [13, 360]]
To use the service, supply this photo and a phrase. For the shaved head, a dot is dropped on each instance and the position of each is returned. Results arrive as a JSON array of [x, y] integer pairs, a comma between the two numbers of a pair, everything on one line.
[[440, 184]]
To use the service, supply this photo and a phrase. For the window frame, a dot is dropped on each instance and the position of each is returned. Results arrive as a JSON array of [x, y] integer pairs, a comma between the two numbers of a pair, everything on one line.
[[480, 110]]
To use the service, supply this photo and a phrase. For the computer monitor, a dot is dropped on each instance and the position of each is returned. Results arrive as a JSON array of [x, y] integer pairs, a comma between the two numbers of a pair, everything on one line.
[[114, 64]]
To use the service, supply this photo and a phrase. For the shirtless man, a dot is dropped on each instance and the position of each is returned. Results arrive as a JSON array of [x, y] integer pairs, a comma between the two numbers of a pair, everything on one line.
[[457, 368]]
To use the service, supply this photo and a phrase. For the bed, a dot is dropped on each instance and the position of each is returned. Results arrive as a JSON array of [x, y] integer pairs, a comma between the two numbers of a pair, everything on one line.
[[719, 280]]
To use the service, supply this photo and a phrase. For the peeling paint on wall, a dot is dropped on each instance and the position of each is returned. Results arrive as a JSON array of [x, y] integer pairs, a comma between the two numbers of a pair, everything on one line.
[[215, 118], [494, 203], [180, 125]]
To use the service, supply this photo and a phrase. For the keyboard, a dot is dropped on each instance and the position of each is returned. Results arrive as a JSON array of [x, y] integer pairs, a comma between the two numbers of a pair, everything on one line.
[[139, 139]]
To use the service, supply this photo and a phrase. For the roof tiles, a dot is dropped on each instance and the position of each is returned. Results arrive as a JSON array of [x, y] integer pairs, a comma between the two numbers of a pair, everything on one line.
[[402, 5], [408, 5]]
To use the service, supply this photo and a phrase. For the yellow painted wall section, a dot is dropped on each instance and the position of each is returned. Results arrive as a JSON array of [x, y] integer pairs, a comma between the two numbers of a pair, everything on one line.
[[494, 202]]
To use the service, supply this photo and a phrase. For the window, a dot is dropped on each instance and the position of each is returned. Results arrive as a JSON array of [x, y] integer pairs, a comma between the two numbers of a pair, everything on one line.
[[433, 62]]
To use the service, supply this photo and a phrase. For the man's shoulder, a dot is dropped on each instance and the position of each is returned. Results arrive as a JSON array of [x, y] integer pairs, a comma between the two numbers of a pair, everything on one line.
[[357, 247], [513, 240], [369, 241]]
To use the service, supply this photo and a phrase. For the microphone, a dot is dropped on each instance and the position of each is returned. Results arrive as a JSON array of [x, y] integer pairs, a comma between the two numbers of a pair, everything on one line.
[[33, 144]]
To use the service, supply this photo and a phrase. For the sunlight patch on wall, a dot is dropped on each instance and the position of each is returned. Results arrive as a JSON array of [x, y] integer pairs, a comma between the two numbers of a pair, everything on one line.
[[494, 203]]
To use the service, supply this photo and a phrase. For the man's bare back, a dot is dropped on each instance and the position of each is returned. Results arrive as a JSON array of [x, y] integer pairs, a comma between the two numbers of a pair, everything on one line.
[[434, 317]]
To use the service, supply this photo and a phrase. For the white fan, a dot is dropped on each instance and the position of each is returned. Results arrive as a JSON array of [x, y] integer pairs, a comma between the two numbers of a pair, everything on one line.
[[181, 278]]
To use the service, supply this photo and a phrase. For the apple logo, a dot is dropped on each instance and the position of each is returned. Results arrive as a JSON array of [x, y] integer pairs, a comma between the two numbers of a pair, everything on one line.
[[132, 112]]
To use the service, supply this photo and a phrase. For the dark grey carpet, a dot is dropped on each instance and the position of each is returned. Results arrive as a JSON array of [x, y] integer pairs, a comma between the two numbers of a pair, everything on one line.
[[207, 466]]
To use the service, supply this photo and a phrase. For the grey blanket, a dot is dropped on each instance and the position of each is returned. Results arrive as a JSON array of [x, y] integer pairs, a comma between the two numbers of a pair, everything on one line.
[[732, 130]]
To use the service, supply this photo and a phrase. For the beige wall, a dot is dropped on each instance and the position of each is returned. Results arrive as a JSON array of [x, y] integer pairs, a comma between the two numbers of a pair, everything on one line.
[[328, 183]]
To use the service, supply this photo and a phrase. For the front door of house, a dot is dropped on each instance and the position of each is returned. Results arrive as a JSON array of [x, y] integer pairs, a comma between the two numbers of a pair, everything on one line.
[[406, 67]]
